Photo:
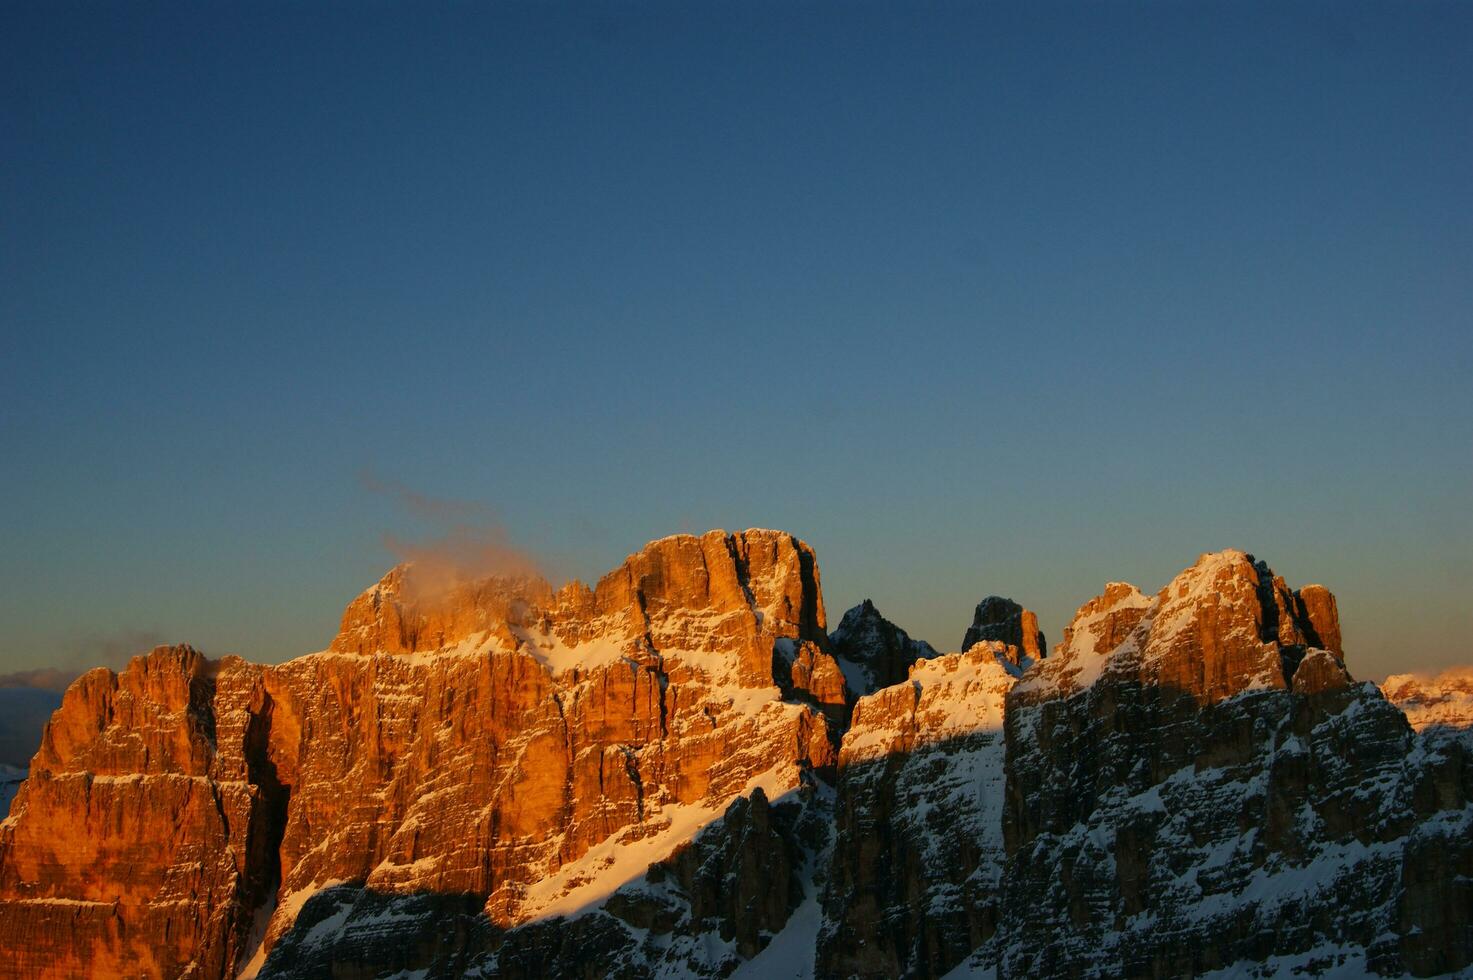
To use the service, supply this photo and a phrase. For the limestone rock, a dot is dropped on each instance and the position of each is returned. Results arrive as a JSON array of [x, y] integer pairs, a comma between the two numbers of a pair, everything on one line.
[[708, 907], [494, 778], [1193, 786], [138, 837], [805, 671], [480, 738], [1444, 701], [913, 884], [1007, 622], [873, 651], [1315, 606]]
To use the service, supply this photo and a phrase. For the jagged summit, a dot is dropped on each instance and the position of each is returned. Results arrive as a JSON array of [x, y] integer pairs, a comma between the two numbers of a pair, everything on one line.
[[1212, 777], [668, 774], [747, 588], [1225, 624], [873, 651], [1004, 621]]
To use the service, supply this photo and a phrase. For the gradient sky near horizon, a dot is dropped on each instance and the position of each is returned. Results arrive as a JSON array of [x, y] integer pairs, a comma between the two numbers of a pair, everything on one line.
[[975, 299]]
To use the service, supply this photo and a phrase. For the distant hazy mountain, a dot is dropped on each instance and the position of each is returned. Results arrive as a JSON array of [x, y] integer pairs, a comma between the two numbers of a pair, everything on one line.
[[24, 712], [10, 780]]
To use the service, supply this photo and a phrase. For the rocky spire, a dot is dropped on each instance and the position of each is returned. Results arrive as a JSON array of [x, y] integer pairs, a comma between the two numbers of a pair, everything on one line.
[[873, 651], [1007, 622]]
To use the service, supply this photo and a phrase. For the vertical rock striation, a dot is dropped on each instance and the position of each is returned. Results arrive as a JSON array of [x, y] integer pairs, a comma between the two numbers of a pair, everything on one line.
[[677, 772], [1194, 785], [139, 838], [1004, 621], [472, 739]]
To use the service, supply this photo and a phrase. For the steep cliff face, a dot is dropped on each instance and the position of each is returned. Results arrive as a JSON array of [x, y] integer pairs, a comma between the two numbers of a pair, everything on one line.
[[476, 740], [1004, 621], [139, 835], [1192, 786], [873, 651], [678, 773], [913, 875]]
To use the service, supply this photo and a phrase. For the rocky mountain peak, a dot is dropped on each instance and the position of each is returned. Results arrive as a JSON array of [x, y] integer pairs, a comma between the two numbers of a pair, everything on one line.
[[415, 608], [1223, 625], [1319, 618], [1103, 623], [742, 590], [1208, 773], [873, 651], [676, 771], [1442, 701], [490, 738], [1009, 623]]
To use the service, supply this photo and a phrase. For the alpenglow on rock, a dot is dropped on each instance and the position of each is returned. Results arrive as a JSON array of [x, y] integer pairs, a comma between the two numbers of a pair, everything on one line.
[[1006, 622], [496, 741], [1225, 797], [678, 772], [1441, 702]]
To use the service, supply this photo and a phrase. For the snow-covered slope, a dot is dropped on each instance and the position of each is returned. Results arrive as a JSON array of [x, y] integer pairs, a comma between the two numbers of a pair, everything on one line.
[[1194, 787], [679, 773], [1441, 701]]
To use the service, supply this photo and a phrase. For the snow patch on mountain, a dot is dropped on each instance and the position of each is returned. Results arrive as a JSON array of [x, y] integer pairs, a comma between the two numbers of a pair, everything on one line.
[[584, 885], [1442, 701]]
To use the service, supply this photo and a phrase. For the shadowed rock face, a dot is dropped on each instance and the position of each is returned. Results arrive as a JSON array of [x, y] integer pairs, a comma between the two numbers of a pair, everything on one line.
[[473, 740], [913, 877], [1193, 785], [1004, 621], [705, 909], [496, 778], [875, 652]]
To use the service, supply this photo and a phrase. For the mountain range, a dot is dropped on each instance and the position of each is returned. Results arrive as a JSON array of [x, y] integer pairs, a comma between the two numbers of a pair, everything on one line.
[[683, 772]]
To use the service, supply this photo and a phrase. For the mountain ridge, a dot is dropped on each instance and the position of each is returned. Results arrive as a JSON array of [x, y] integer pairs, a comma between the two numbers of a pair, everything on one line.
[[682, 768]]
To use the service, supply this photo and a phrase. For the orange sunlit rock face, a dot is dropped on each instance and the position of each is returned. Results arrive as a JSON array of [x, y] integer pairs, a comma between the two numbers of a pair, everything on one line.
[[139, 835], [492, 777], [466, 739], [1198, 757]]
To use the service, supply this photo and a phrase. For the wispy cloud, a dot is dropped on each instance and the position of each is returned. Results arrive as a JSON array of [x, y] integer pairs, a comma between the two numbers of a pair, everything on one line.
[[79, 655], [471, 542], [424, 506], [42, 678]]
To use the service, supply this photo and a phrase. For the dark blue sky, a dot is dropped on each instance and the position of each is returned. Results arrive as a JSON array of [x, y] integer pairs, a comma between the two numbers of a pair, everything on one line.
[[974, 299]]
